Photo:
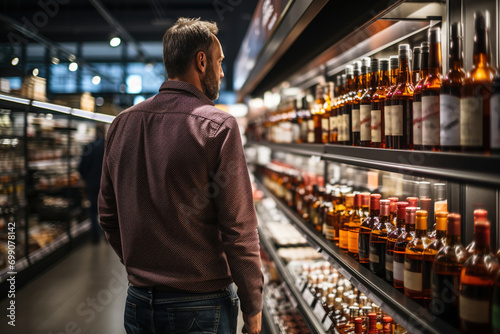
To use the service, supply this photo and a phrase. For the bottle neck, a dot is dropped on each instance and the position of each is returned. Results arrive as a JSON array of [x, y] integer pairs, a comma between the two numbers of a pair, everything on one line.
[[440, 234], [404, 71], [424, 66], [400, 223], [383, 79], [421, 233], [481, 60], [374, 212], [394, 76], [409, 227], [481, 47], [435, 59], [453, 240], [456, 58]]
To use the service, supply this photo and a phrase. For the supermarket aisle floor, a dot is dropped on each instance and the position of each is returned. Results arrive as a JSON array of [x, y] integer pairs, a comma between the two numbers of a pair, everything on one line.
[[82, 294]]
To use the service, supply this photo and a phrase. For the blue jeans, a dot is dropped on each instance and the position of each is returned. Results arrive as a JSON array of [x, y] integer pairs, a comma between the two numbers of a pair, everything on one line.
[[152, 311]]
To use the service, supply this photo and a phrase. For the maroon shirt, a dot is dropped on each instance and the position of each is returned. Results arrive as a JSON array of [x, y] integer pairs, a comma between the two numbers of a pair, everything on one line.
[[176, 201]]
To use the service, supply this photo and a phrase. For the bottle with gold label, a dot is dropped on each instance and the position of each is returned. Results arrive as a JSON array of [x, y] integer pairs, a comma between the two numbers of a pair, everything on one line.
[[356, 88], [377, 105], [318, 112], [394, 63], [401, 242], [345, 219], [371, 208], [354, 224], [334, 128], [347, 108], [327, 107], [366, 104]]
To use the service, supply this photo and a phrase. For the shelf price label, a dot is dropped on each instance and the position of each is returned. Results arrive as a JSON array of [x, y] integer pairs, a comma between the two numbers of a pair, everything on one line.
[[327, 323], [319, 311], [308, 297]]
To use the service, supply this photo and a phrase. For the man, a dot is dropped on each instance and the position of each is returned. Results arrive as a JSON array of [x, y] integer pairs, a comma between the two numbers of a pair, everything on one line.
[[176, 202]]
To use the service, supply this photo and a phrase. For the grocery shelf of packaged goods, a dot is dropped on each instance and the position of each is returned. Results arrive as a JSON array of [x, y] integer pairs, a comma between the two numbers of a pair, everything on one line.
[[402, 309], [302, 149]]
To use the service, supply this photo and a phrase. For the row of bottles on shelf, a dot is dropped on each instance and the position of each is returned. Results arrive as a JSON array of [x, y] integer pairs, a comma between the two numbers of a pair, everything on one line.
[[391, 237], [345, 308], [404, 102]]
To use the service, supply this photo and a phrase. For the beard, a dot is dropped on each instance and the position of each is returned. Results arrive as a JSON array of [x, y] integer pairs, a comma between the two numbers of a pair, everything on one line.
[[210, 84]]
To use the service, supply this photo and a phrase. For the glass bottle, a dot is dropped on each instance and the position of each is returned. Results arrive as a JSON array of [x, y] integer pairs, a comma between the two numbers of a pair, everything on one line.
[[340, 107], [430, 94], [393, 209], [430, 251], [372, 323], [394, 62], [400, 246], [354, 225], [334, 129], [373, 202], [415, 66], [417, 96], [479, 214], [402, 100], [378, 240], [347, 108], [476, 92], [412, 201], [377, 105], [445, 275], [318, 112], [495, 306], [316, 215], [345, 219], [414, 260], [366, 105], [476, 283], [356, 87], [391, 241], [495, 115], [325, 120], [449, 100]]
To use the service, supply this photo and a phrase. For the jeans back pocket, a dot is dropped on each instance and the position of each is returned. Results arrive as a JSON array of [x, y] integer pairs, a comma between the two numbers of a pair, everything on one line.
[[194, 319]]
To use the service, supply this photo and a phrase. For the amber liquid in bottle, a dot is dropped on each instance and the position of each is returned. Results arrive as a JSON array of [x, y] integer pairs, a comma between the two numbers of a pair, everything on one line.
[[377, 105], [393, 236], [402, 103], [417, 97], [355, 88], [432, 249], [373, 202], [449, 99], [354, 224], [479, 214], [318, 113], [378, 240], [476, 93], [400, 246], [325, 119], [394, 62], [477, 279], [414, 260], [345, 219], [366, 105], [334, 112], [445, 279], [430, 94], [347, 108]]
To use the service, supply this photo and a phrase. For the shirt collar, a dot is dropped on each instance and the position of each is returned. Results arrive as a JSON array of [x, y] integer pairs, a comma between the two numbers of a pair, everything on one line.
[[185, 86]]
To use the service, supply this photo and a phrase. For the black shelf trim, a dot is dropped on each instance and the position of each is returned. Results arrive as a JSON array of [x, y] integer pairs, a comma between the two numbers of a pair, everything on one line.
[[311, 320], [300, 149], [402, 309]]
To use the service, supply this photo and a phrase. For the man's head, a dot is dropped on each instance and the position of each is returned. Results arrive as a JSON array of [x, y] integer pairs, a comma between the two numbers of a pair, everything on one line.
[[192, 50]]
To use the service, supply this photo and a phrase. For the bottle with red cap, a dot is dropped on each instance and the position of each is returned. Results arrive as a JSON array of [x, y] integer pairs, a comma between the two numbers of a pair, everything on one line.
[[378, 240], [445, 277], [354, 225], [372, 323], [358, 325], [477, 279], [432, 249], [387, 324], [412, 201], [393, 209], [391, 240], [400, 246], [367, 226], [479, 214]]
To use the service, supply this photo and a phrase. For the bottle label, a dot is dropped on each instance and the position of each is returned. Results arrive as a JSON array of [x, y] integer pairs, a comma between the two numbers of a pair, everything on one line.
[[365, 122], [343, 243], [473, 310], [352, 243], [347, 129], [325, 125], [376, 122], [413, 280], [340, 127], [319, 311], [308, 297], [417, 123], [333, 123], [449, 107], [387, 115], [355, 118], [430, 120], [310, 125], [327, 324], [310, 137], [374, 258], [389, 264], [495, 122], [295, 133], [471, 121], [397, 120], [398, 271]]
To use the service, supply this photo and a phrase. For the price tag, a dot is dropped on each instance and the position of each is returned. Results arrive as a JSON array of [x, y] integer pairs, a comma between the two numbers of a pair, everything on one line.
[[319, 311], [308, 297], [299, 283], [327, 323], [303, 286]]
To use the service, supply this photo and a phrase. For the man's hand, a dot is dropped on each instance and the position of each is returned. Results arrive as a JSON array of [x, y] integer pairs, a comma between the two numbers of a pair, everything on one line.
[[253, 323]]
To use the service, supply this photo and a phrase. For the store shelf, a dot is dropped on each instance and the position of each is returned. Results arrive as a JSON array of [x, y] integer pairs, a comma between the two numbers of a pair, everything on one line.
[[302, 149], [268, 321], [314, 324], [402, 309]]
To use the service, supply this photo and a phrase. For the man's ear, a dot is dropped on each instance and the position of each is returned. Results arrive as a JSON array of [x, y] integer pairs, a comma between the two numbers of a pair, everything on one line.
[[201, 61]]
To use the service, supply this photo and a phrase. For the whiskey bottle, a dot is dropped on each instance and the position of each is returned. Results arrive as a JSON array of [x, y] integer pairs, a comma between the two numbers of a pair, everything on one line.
[[366, 105], [340, 107], [445, 276], [373, 203], [476, 93], [402, 100], [430, 251], [347, 108], [417, 96], [393, 209], [392, 238], [325, 120], [356, 88], [479, 214], [334, 123], [394, 62], [449, 100], [400, 246], [415, 66], [414, 260], [412, 201], [495, 115], [378, 240], [354, 225], [377, 105], [430, 94], [345, 219], [476, 283], [318, 112]]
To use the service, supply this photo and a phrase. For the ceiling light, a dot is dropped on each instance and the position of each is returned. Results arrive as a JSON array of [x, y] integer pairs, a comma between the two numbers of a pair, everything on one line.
[[115, 41], [15, 61], [73, 66], [35, 71], [96, 80]]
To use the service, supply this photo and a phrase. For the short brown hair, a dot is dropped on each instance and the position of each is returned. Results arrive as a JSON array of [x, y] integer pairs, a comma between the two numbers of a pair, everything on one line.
[[183, 41]]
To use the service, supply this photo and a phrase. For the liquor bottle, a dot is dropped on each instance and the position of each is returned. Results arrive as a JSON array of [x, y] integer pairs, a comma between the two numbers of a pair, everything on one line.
[[412, 201], [387, 324], [378, 240], [377, 105], [394, 62], [430, 94], [476, 283], [356, 98], [354, 225], [358, 325], [415, 66], [318, 112], [391, 241], [417, 96], [414, 260], [347, 108], [495, 115], [402, 100], [340, 107], [445, 276], [438, 241], [372, 323], [449, 100], [495, 306], [345, 219], [373, 202], [393, 209], [334, 130], [325, 120], [366, 105], [315, 213], [479, 214], [400, 246], [476, 93]]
